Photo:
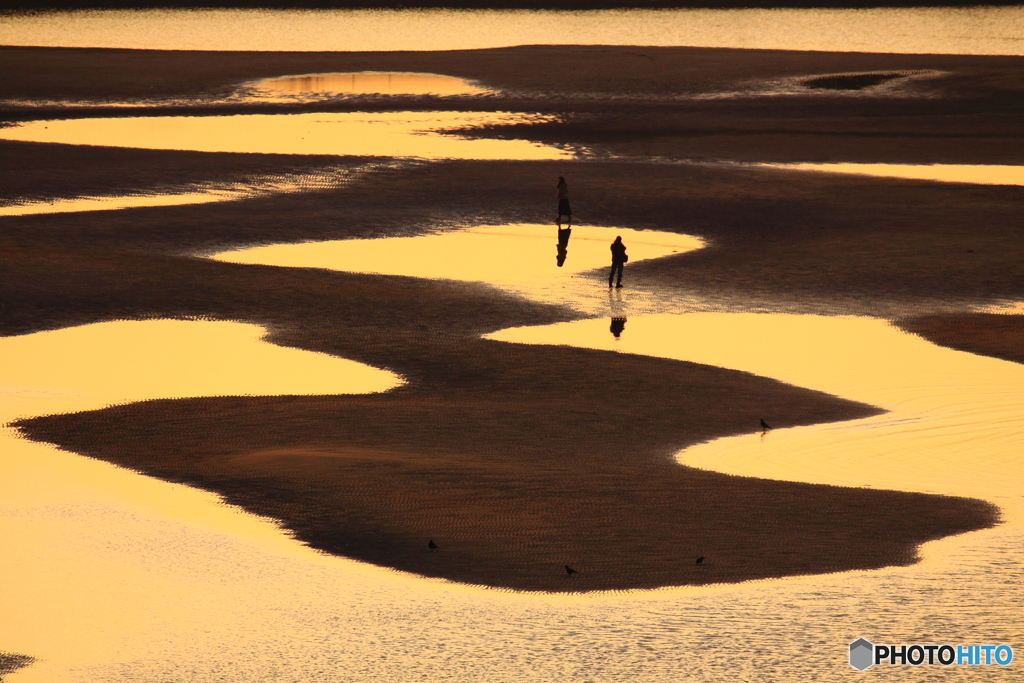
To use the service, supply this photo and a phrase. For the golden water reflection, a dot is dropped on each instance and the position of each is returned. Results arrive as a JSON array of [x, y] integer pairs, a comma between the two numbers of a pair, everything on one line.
[[114, 577], [950, 428], [138, 360], [370, 83], [321, 179], [1003, 308], [85, 543], [112, 203], [522, 258], [393, 134], [949, 173], [914, 30]]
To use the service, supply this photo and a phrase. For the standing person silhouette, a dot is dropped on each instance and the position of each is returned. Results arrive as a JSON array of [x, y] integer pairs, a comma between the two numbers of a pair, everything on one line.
[[618, 258], [563, 202]]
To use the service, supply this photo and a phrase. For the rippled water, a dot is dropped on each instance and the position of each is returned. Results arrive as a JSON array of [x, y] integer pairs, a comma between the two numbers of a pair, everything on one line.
[[322, 179], [523, 258], [948, 173], [113, 577], [395, 134], [392, 134], [95, 562], [962, 30], [369, 82]]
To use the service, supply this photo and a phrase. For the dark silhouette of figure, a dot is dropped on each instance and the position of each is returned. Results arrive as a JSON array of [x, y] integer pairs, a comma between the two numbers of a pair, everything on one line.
[[619, 257], [563, 245], [764, 426], [700, 560], [618, 325], [433, 546], [570, 571], [563, 202]]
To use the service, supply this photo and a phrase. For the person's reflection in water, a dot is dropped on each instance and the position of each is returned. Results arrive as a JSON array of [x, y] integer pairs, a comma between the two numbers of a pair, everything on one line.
[[563, 245], [618, 325], [617, 312]]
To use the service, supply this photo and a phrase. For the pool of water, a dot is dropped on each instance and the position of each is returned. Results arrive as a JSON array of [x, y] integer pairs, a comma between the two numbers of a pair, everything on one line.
[[387, 134], [980, 174], [114, 577], [392, 134], [921, 30], [541, 262], [367, 83], [322, 179], [93, 553]]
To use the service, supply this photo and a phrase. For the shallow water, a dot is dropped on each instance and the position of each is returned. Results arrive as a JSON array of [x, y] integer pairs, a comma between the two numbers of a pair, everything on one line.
[[392, 134], [92, 563], [952, 428], [962, 30], [947, 173], [368, 83], [523, 258], [115, 577], [117, 202], [1006, 307], [407, 135], [322, 179]]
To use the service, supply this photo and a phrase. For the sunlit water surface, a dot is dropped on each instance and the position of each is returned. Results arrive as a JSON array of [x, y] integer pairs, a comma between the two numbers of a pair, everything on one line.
[[98, 560], [963, 30], [322, 179], [522, 258], [400, 135], [114, 577], [367, 83], [980, 174], [391, 134]]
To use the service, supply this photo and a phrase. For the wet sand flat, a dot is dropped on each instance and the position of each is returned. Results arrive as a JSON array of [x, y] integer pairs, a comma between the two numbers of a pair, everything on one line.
[[517, 459], [691, 103]]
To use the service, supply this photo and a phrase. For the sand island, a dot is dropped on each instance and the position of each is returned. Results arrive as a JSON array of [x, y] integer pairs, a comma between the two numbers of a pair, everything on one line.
[[518, 459]]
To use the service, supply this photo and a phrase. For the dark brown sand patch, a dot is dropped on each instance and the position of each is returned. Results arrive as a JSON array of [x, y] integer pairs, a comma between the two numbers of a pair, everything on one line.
[[999, 336], [516, 481], [776, 237], [489, 445], [9, 663], [94, 73], [34, 171], [518, 459]]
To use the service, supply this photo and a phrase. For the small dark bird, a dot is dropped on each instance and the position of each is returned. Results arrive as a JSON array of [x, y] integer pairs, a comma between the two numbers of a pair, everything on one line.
[[700, 560], [764, 426], [432, 545], [570, 571]]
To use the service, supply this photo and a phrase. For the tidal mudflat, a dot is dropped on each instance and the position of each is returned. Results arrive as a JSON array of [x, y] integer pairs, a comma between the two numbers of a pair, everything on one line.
[[517, 459]]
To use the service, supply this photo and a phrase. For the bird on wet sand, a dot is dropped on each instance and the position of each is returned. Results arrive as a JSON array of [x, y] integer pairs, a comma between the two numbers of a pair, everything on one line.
[[432, 545], [700, 560], [764, 426], [570, 571]]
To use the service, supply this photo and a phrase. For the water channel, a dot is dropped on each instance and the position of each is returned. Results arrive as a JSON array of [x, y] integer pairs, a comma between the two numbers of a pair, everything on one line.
[[170, 584], [114, 577], [417, 135]]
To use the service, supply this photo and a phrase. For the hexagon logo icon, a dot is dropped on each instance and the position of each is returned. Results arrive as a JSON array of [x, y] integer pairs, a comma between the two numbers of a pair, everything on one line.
[[861, 654]]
